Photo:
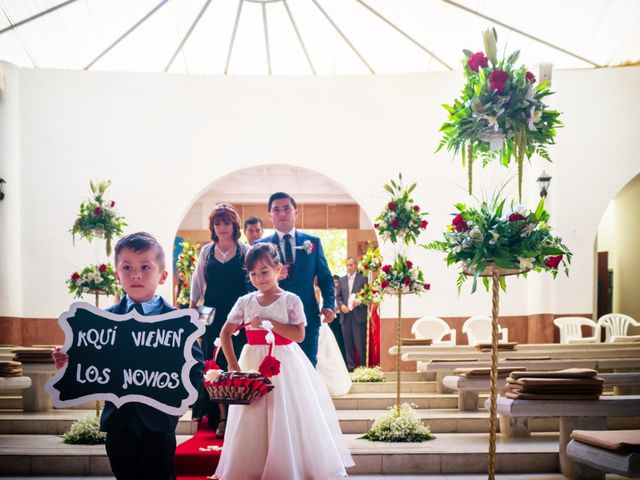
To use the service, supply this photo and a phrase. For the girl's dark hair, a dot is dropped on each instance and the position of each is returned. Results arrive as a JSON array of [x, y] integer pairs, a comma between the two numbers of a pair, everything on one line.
[[264, 251], [227, 214]]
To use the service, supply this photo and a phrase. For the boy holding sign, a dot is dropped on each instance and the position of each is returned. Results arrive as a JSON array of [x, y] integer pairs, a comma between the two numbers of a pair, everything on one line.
[[141, 439]]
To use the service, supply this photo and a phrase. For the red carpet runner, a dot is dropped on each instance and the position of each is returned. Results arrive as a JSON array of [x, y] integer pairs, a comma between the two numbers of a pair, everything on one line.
[[192, 463]]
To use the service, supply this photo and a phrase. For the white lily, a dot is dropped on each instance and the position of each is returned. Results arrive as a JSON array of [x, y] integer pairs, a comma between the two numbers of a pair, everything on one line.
[[525, 263], [475, 233], [495, 236], [490, 48]]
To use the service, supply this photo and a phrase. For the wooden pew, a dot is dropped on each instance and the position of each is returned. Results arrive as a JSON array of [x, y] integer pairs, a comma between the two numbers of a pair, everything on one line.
[[596, 460], [574, 415], [468, 388]]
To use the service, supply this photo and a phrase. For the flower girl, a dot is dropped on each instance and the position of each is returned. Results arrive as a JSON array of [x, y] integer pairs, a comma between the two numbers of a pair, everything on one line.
[[292, 432]]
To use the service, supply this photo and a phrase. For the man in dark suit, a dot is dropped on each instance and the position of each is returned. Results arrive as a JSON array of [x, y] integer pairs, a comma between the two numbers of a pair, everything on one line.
[[353, 314], [303, 259]]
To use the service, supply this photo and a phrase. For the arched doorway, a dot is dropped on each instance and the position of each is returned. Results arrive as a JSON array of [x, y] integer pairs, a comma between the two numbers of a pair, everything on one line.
[[325, 209], [618, 253]]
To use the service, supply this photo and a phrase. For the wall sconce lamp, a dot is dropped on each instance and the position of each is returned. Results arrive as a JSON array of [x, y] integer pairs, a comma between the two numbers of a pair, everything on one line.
[[543, 182], [2, 182]]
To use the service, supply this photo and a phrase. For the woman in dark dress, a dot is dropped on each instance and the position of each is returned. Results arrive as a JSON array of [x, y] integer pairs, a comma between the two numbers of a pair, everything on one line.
[[219, 280]]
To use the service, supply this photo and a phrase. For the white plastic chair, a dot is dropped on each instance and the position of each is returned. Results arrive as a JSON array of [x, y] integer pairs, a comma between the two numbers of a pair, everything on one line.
[[434, 328], [571, 330], [616, 326], [478, 330]]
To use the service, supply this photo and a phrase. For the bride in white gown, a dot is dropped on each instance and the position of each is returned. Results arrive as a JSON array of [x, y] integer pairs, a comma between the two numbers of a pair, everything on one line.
[[331, 366]]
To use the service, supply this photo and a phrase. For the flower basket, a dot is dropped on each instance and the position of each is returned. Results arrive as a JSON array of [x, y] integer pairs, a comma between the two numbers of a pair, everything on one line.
[[238, 387]]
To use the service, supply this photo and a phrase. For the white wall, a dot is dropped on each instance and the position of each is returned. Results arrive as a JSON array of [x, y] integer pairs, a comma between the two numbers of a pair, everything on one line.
[[164, 139]]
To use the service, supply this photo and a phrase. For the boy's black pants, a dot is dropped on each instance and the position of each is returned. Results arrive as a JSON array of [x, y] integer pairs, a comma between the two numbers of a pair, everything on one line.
[[148, 455]]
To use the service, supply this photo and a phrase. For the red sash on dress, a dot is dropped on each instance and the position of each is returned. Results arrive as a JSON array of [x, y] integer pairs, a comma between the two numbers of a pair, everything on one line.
[[257, 337]]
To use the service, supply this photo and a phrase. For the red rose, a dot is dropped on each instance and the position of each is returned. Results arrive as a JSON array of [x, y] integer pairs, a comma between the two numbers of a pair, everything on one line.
[[531, 78], [395, 223], [269, 367], [211, 365], [476, 61], [386, 268], [102, 268], [366, 267], [416, 208], [407, 282], [553, 262], [392, 206], [516, 217], [113, 203], [459, 223], [185, 285], [427, 286], [384, 284], [192, 259], [498, 79], [376, 225], [313, 247], [374, 291], [424, 224], [97, 211], [75, 276], [409, 264]]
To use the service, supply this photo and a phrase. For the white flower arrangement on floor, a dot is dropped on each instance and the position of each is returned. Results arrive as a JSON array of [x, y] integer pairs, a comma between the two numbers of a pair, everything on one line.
[[405, 427], [367, 375], [85, 431]]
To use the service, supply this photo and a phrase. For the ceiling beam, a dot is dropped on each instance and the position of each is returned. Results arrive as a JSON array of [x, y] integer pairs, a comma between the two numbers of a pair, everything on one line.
[[188, 34], [233, 36], [520, 32], [295, 28], [344, 37], [405, 34], [37, 15], [125, 34]]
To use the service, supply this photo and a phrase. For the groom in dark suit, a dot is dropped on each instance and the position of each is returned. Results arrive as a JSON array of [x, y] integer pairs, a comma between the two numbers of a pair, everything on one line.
[[303, 259], [353, 314]]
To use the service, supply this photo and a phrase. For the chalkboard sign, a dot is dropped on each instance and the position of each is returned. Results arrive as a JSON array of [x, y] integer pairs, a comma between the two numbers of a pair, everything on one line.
[[127, 358]]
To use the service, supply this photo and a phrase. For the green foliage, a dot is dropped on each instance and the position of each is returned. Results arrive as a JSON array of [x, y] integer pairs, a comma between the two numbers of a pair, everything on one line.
[[98, 217], [334, 244], [94, 278], [401, 219], [495, 119], [85, 431], [367, 375], [405, 427], [517, 239], [186, 264], [402, 276]]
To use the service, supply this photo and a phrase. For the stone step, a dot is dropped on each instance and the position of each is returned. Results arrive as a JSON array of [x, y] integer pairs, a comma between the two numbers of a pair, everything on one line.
[[390, 387], [449, 453], [454, 421], [410, 376], [381, 401], [11, 402], [57, 422]]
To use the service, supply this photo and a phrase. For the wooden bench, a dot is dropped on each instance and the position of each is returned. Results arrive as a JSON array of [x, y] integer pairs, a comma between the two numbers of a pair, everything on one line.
[[574, 415], [468, 388], [595, 461], [443, 369]]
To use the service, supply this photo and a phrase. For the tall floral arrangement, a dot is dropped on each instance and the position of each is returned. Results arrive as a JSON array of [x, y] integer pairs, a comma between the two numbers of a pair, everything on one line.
[[501, 112], [401, 221], [98, 216], [186, 264], [94, 278], [513, 238]]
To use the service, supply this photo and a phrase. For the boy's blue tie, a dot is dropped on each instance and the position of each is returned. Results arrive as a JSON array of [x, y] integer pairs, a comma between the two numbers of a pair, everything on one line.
[[138, 308]]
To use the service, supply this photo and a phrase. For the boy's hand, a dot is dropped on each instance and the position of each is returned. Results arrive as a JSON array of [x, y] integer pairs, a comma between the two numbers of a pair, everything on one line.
[[59, 358]]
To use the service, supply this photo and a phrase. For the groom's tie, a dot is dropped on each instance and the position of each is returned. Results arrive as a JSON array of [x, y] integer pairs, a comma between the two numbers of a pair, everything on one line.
[[288, 253]]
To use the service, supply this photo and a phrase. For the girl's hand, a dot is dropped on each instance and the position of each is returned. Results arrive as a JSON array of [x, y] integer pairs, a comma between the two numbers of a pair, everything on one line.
[[234, 367], [256, 322], [59, 358]]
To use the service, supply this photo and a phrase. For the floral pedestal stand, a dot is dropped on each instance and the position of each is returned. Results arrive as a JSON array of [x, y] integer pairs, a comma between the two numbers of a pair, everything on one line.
[[495, 273], [399, 343], [97, 294]]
